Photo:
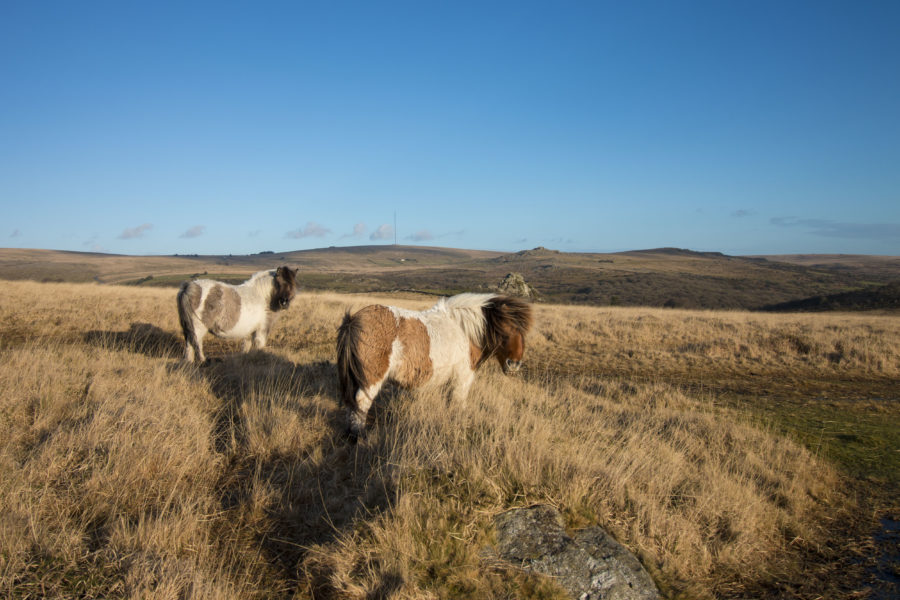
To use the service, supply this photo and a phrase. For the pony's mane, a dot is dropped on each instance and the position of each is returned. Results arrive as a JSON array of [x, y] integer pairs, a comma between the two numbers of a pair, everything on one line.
[[260, 274], [271, 286], [261, 282], [486, 318], [468, 311], [502, 315]]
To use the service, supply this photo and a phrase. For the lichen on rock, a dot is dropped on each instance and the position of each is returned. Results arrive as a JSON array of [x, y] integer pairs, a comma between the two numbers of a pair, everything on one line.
[[514, 285], [590, 564]]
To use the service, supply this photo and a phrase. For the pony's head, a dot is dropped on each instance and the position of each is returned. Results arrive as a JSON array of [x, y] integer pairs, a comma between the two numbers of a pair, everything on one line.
[[507, 320], [284, 288]]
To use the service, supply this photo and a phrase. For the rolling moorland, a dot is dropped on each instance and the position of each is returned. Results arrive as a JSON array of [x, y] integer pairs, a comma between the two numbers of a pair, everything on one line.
[[738, 454], [663, 277]]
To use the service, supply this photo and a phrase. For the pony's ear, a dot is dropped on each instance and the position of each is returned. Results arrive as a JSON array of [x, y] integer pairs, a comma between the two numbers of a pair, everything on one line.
[[286, 276]]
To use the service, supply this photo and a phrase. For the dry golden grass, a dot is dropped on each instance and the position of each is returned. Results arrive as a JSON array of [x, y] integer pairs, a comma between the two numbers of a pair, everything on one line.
[[124, 473]]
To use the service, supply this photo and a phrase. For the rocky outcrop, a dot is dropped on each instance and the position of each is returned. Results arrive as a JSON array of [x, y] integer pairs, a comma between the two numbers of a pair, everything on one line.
[[514, 285], [590, 564]]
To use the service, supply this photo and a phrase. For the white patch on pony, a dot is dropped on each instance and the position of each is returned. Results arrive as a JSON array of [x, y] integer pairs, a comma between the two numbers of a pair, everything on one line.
[[453, 324], [396, 356]]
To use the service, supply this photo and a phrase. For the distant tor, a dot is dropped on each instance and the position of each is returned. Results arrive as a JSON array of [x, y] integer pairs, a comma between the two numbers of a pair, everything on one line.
[[514, 285]]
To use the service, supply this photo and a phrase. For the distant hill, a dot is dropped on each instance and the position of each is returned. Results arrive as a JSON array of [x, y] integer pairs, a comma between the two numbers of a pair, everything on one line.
[[876, 265], [884, 297], [671, 277]]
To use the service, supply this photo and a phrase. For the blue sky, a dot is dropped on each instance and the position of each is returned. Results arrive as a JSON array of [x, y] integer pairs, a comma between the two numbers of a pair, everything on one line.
[[160, 128]]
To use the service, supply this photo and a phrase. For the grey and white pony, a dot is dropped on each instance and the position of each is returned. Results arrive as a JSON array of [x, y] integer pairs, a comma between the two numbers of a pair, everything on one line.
[[246, 311]]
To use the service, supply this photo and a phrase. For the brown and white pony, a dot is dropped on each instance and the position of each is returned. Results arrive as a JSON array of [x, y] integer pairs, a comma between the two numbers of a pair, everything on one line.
[[444, 344], [246, 311]]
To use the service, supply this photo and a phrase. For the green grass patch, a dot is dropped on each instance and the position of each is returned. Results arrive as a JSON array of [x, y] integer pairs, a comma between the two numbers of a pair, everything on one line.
[[862, 437]]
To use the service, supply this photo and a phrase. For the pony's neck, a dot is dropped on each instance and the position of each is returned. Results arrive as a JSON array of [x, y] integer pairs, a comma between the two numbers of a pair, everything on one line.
[[260, 285], [467, 311]]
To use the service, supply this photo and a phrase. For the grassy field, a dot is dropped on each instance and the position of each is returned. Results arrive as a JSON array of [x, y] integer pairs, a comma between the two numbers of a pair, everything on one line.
[[739, 455]]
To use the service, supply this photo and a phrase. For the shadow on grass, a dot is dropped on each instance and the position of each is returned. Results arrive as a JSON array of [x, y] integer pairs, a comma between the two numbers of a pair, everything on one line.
[[141, 338], [316, 492], [289, 502]]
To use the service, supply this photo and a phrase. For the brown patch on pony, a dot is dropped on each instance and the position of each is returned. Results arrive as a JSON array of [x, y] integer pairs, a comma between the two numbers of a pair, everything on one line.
[[364, 349], [284, 288], [222, 309], [415, 368], [474, 356], [503, 316]]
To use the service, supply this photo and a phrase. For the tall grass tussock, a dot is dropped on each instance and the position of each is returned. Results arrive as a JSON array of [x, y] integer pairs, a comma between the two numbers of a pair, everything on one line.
[[126, 473]]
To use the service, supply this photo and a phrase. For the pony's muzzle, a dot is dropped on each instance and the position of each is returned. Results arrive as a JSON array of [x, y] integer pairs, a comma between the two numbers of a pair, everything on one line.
[[512, 366]]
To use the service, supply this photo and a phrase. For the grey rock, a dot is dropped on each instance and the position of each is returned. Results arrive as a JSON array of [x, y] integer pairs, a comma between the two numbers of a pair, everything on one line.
[[530, 533], [514, 285], [590, 565]]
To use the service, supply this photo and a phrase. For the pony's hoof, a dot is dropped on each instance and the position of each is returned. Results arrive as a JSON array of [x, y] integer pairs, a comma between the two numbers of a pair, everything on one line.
[[353, 437]]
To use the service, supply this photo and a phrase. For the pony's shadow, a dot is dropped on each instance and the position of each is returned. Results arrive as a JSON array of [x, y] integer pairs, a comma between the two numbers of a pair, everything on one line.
[[317, 491], [141, 338]]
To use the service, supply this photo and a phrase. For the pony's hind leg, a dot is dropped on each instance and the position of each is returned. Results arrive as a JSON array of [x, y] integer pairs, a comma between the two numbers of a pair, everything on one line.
[[193, 343], [356, 416]]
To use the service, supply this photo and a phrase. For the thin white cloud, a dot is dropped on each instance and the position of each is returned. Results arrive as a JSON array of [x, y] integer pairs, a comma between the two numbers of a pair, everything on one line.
[[384, 232], [421, 236], [562, 240], [195, 231], [312, 229], [93, 245], [837, 229], [135, 232], [743, 212], [359, 230]]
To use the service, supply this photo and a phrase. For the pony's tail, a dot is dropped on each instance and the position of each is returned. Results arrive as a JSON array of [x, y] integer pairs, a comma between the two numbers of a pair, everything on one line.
[[349, 366], [184, 312]]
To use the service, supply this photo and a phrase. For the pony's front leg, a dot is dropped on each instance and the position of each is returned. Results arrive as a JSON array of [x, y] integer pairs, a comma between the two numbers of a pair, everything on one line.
[[461, 385], [259, 338], [246, 345]]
